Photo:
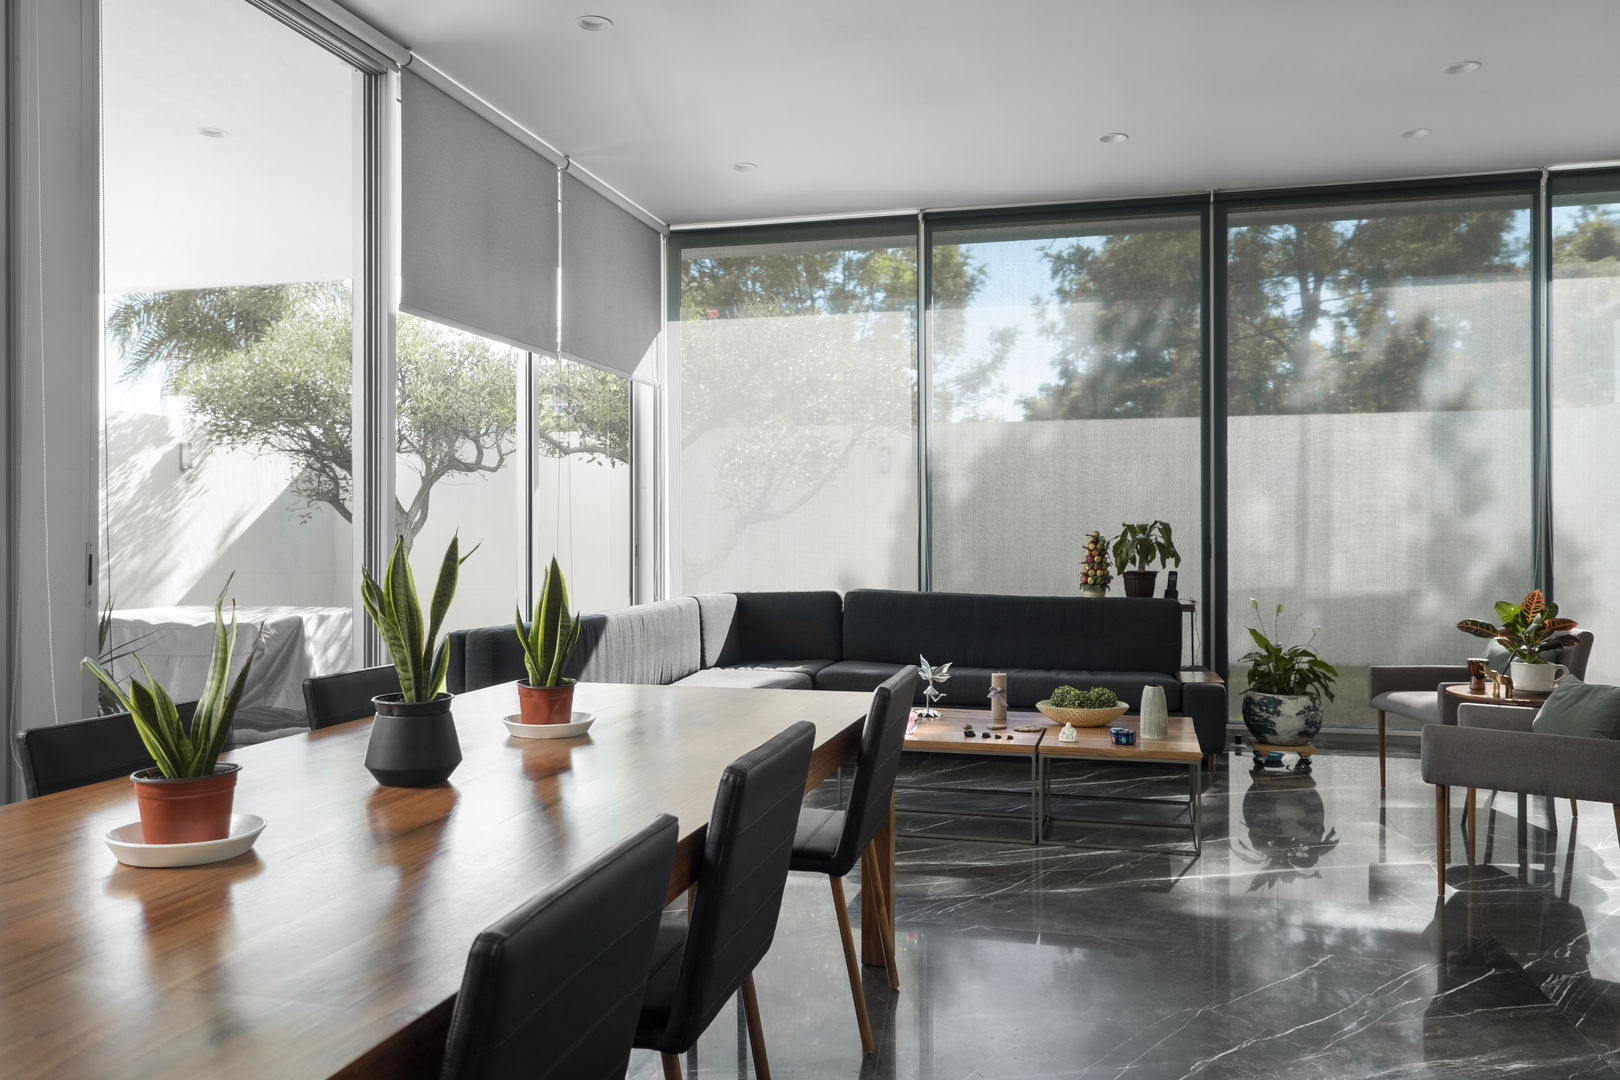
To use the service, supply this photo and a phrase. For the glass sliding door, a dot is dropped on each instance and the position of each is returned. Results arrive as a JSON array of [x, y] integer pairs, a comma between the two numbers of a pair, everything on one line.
[[1067, 374], [582, 480], [794, 413], [227, 413], [457, 471], [1379, 442], [1585, 326]]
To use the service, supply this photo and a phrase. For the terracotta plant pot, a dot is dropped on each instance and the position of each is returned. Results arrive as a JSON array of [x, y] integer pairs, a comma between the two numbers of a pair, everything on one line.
[[1140, 582], [545, 704], [413, 743], [185, 811]]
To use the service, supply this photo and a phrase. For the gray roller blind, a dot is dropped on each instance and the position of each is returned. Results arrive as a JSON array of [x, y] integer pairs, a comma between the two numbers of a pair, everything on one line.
[[478, 217], [610, 267]]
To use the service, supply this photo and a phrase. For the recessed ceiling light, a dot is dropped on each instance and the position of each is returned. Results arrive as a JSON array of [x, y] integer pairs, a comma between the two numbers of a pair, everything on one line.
[[745, 166], [1113, 137], [1462, 67], [212, 132], [595, 23], [1416, 133]]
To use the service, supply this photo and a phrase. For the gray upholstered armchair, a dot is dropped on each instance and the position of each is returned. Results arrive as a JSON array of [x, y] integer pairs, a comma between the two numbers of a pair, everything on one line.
[[1492, 746], [1418, 691]]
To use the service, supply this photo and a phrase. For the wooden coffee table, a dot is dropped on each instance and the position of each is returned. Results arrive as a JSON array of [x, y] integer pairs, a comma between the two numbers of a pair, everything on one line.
[[944, 735], [1096, 744]]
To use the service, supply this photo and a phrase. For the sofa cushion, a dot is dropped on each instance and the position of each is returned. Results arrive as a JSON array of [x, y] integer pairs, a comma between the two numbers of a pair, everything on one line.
[[748, 678], [1420, 705], [854, 675], [1060, 633], [484, 656], [771, 625], [649, 643], [1587, 710], [717, 615]]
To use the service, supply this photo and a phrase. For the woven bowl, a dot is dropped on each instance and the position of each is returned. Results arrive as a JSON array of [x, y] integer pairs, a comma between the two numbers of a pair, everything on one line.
[[1082, 717]]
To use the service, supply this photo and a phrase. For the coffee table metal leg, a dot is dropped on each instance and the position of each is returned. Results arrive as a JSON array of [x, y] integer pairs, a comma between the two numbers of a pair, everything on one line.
[[1036, 803], [1195, 806]]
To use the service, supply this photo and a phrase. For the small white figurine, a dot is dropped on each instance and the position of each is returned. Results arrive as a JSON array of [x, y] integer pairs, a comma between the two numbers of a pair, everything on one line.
[[931, 675], [1068, 734]]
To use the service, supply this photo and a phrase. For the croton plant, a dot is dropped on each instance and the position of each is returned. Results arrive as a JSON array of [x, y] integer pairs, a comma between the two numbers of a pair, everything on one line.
[[1528, 629]]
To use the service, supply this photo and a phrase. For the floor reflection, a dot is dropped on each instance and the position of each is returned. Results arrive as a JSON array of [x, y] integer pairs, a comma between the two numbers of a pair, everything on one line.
[[1306, 942]]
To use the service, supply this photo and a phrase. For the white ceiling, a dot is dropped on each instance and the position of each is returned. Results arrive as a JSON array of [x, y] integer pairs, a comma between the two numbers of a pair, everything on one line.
[[861, 105], [271, 201]]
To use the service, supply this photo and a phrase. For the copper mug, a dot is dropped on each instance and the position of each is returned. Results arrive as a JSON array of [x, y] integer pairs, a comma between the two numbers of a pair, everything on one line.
[[1477, 667]]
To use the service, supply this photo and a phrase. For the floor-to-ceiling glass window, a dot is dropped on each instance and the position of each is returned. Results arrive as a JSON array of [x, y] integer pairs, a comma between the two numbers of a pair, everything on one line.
[[582, 480], [457, 471], [1379, 442], [1067, 373], [794, 420], [229, 203], [1585, 325]]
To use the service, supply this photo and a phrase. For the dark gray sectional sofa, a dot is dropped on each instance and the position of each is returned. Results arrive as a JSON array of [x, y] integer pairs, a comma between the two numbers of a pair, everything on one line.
[[824, 641]]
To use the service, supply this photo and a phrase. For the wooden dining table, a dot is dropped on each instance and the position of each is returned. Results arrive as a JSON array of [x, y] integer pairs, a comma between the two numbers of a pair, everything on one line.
[[336, 946]]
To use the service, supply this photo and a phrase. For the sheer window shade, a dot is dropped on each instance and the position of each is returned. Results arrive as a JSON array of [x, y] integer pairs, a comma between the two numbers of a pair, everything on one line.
[[478, 248], [610, 267]]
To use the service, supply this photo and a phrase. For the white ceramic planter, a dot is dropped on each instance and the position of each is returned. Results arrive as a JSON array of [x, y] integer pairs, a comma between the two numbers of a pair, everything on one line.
[[1536, 678], [1281, 719]]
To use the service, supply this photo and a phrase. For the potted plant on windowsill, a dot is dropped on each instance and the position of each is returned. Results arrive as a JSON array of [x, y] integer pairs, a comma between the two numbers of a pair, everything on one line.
[[1137, 548], [187, 797], [1530, 629], [1094, 575], [547, 697], [413, 738], [1283, 703]]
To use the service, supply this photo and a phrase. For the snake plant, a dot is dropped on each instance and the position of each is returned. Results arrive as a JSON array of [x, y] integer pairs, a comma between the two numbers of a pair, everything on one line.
[[182, 753], [420, 658], [552, 632]]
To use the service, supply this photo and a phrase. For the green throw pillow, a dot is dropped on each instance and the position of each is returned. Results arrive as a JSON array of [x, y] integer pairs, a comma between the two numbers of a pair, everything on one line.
[[1498, 656], [1588, 710]]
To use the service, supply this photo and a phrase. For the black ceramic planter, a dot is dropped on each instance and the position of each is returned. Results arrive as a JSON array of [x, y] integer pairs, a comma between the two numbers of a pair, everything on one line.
[[413, 743]]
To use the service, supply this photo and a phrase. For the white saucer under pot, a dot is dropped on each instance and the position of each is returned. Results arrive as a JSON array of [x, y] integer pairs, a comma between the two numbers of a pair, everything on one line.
[[580, 725], [126, 844]]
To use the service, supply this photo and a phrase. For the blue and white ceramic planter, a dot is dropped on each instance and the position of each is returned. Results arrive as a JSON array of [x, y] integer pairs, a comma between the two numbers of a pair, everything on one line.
[[1281, 719]]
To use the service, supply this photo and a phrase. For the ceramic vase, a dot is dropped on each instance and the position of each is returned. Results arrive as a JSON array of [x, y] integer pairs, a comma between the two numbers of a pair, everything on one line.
[[1155, 715]]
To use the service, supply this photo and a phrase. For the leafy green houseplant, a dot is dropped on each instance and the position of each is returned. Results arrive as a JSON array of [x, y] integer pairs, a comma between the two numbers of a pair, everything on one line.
[[548, 697], [1529, 630], [187, 797], [1137, 548], [413, 738], [1283, 703]]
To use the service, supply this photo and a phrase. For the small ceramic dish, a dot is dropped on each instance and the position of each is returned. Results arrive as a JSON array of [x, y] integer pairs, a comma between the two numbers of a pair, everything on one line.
[[581, 724], [125, 843]]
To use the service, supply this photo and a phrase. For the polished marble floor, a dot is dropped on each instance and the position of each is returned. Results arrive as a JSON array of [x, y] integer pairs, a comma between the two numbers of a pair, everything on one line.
[[1305, 941]]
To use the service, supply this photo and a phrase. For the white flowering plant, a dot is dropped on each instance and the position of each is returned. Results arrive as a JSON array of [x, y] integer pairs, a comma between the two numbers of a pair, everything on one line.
[[1289, 670]]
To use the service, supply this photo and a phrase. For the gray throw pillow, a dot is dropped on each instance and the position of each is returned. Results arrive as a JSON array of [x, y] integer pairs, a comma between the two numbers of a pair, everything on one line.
[[1587, 710]]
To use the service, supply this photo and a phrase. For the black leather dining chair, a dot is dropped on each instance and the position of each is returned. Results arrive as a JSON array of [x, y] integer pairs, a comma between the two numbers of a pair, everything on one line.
[[830, 841], [709, 953], [337, 699], [554, 988], [64, 756]]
